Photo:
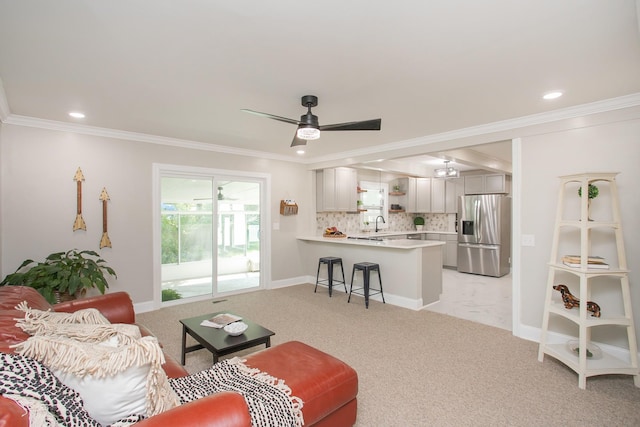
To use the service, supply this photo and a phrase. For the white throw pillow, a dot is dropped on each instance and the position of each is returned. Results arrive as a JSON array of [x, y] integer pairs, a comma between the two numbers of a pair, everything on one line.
[[116, 372], [111, 398]]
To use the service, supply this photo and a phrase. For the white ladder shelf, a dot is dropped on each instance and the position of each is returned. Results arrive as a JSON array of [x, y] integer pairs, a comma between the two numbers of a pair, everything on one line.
[[583, 280]]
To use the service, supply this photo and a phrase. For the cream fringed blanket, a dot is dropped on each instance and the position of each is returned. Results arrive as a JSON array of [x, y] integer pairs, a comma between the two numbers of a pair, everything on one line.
[[95, 349]]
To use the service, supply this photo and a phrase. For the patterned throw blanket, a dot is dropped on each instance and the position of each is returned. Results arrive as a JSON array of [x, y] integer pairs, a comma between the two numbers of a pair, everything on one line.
[[269, 399], [50, 403]]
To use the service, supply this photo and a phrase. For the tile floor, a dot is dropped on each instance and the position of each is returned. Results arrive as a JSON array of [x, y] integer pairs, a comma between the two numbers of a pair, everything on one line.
[[477, 298]]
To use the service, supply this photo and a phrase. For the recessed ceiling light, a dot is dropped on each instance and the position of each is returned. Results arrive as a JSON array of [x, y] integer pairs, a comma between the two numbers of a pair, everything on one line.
[[552, 95], [76, 115], [300, 151]]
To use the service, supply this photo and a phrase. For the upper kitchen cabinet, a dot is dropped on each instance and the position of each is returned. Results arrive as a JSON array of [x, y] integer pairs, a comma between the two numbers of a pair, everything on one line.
[[487, 184], [336, 190], [423, 195], [437, 195], [454, 188], [444, 194]]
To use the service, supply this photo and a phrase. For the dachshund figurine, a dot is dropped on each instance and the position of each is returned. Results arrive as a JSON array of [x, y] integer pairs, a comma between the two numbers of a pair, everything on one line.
[[570, 301]]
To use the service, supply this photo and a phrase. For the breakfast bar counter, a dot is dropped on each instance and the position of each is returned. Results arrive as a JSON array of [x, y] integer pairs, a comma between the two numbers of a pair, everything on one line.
[[411, 270]]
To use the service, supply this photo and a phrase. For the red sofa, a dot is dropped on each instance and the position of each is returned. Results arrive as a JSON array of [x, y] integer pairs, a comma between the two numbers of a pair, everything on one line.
[[327, 386]]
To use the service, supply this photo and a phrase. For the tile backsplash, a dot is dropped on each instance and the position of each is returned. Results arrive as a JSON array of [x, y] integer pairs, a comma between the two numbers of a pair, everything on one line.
[[349, 223]]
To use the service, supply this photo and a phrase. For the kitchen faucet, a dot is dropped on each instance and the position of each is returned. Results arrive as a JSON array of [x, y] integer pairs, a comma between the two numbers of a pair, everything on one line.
[[383, 221]]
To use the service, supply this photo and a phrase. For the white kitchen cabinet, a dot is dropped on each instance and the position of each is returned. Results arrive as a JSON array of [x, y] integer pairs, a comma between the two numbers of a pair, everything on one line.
[[336, 190], [423, 195], [454, 188], [438, 191], [450, 250], [410, 187], [487, 184]]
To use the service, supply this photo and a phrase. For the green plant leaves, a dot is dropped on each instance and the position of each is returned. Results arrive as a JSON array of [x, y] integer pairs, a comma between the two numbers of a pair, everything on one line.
[[70, 272], [593, 191]]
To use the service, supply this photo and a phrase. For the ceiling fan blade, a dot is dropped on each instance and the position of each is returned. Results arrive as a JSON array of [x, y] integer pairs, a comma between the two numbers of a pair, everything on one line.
[[374, 124], [271, 116], [298, 141]]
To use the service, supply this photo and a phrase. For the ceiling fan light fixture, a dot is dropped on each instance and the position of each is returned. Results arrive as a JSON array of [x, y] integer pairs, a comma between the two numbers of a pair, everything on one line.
[[308, 133]]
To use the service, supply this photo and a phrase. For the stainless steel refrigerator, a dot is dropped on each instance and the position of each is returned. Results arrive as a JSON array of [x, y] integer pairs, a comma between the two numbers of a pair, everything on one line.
[[484, 234]]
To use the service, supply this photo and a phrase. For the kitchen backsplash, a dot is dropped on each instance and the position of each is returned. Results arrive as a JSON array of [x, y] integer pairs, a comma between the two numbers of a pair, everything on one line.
[[350, 223]]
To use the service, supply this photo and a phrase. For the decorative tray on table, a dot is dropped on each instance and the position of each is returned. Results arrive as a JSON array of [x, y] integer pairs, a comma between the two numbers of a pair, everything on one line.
[[333, 233]]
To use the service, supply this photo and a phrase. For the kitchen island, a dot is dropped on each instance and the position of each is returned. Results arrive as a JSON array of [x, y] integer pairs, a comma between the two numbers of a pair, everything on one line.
[[411, 269]]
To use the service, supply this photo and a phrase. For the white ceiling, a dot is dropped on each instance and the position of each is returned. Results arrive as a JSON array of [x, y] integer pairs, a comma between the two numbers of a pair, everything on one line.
[[185, 69]]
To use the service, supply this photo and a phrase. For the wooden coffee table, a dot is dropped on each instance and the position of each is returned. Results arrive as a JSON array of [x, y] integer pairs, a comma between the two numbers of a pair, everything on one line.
[[217, 341]]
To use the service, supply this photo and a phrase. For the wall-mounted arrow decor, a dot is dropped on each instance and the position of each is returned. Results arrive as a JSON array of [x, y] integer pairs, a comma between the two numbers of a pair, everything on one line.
[[79, 222], [105, 241]]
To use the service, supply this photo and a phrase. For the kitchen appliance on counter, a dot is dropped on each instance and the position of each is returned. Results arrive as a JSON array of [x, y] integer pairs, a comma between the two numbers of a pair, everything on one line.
[[484, 234]]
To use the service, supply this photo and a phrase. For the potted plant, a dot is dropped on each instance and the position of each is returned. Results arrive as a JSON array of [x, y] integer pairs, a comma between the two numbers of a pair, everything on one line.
[[63, 275], [592, 193], [418, 222]]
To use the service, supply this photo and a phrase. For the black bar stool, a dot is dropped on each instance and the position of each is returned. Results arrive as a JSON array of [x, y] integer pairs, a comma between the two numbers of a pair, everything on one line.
[[366, 268], [330, 261]]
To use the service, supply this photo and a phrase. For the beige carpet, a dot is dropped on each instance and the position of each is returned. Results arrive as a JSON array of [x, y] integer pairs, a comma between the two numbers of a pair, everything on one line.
[[421, 368]]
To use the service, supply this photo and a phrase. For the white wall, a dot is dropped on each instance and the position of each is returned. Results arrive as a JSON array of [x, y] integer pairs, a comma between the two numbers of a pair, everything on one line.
[[611, 147], [38, 200]]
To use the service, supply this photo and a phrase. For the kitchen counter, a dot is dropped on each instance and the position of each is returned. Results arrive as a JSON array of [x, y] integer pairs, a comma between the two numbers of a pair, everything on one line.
[[368, 240], [411, 269]]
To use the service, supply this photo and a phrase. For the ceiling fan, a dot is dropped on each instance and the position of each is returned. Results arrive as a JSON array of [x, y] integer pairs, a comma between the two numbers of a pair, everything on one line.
[[219, 196], [309, 127], [222, 196]]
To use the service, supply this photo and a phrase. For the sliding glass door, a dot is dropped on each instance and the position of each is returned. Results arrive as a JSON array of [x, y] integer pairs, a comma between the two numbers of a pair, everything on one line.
[[210, 235], [238, 239]]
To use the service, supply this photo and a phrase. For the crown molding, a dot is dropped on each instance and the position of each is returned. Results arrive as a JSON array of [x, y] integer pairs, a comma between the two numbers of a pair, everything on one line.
[[612, 104], [18, 120], [607, 105]]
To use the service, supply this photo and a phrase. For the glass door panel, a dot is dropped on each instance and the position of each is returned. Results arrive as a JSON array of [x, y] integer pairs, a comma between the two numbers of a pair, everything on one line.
[[238, 235], [187, 237]]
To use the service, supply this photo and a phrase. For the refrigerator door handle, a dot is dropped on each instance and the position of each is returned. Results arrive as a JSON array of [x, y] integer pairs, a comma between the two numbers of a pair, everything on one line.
[[476, 246], [478, 221]]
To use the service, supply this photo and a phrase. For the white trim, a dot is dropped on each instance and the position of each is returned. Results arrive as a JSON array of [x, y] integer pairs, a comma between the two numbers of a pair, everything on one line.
[[4, 105], [17, 120], [293, 281], [603, 106], [626, 101], [159, 169], [516, 231]]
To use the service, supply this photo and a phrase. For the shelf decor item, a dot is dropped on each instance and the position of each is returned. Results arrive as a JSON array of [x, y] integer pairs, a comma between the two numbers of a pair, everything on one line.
[[592, 194], [593, 351]]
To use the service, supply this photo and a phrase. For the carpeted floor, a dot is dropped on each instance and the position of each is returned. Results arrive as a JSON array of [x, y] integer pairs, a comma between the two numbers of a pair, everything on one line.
[[420, 368]]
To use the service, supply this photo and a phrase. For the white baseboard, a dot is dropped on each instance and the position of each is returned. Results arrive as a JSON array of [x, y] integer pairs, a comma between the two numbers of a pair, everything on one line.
[[144, 307]]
